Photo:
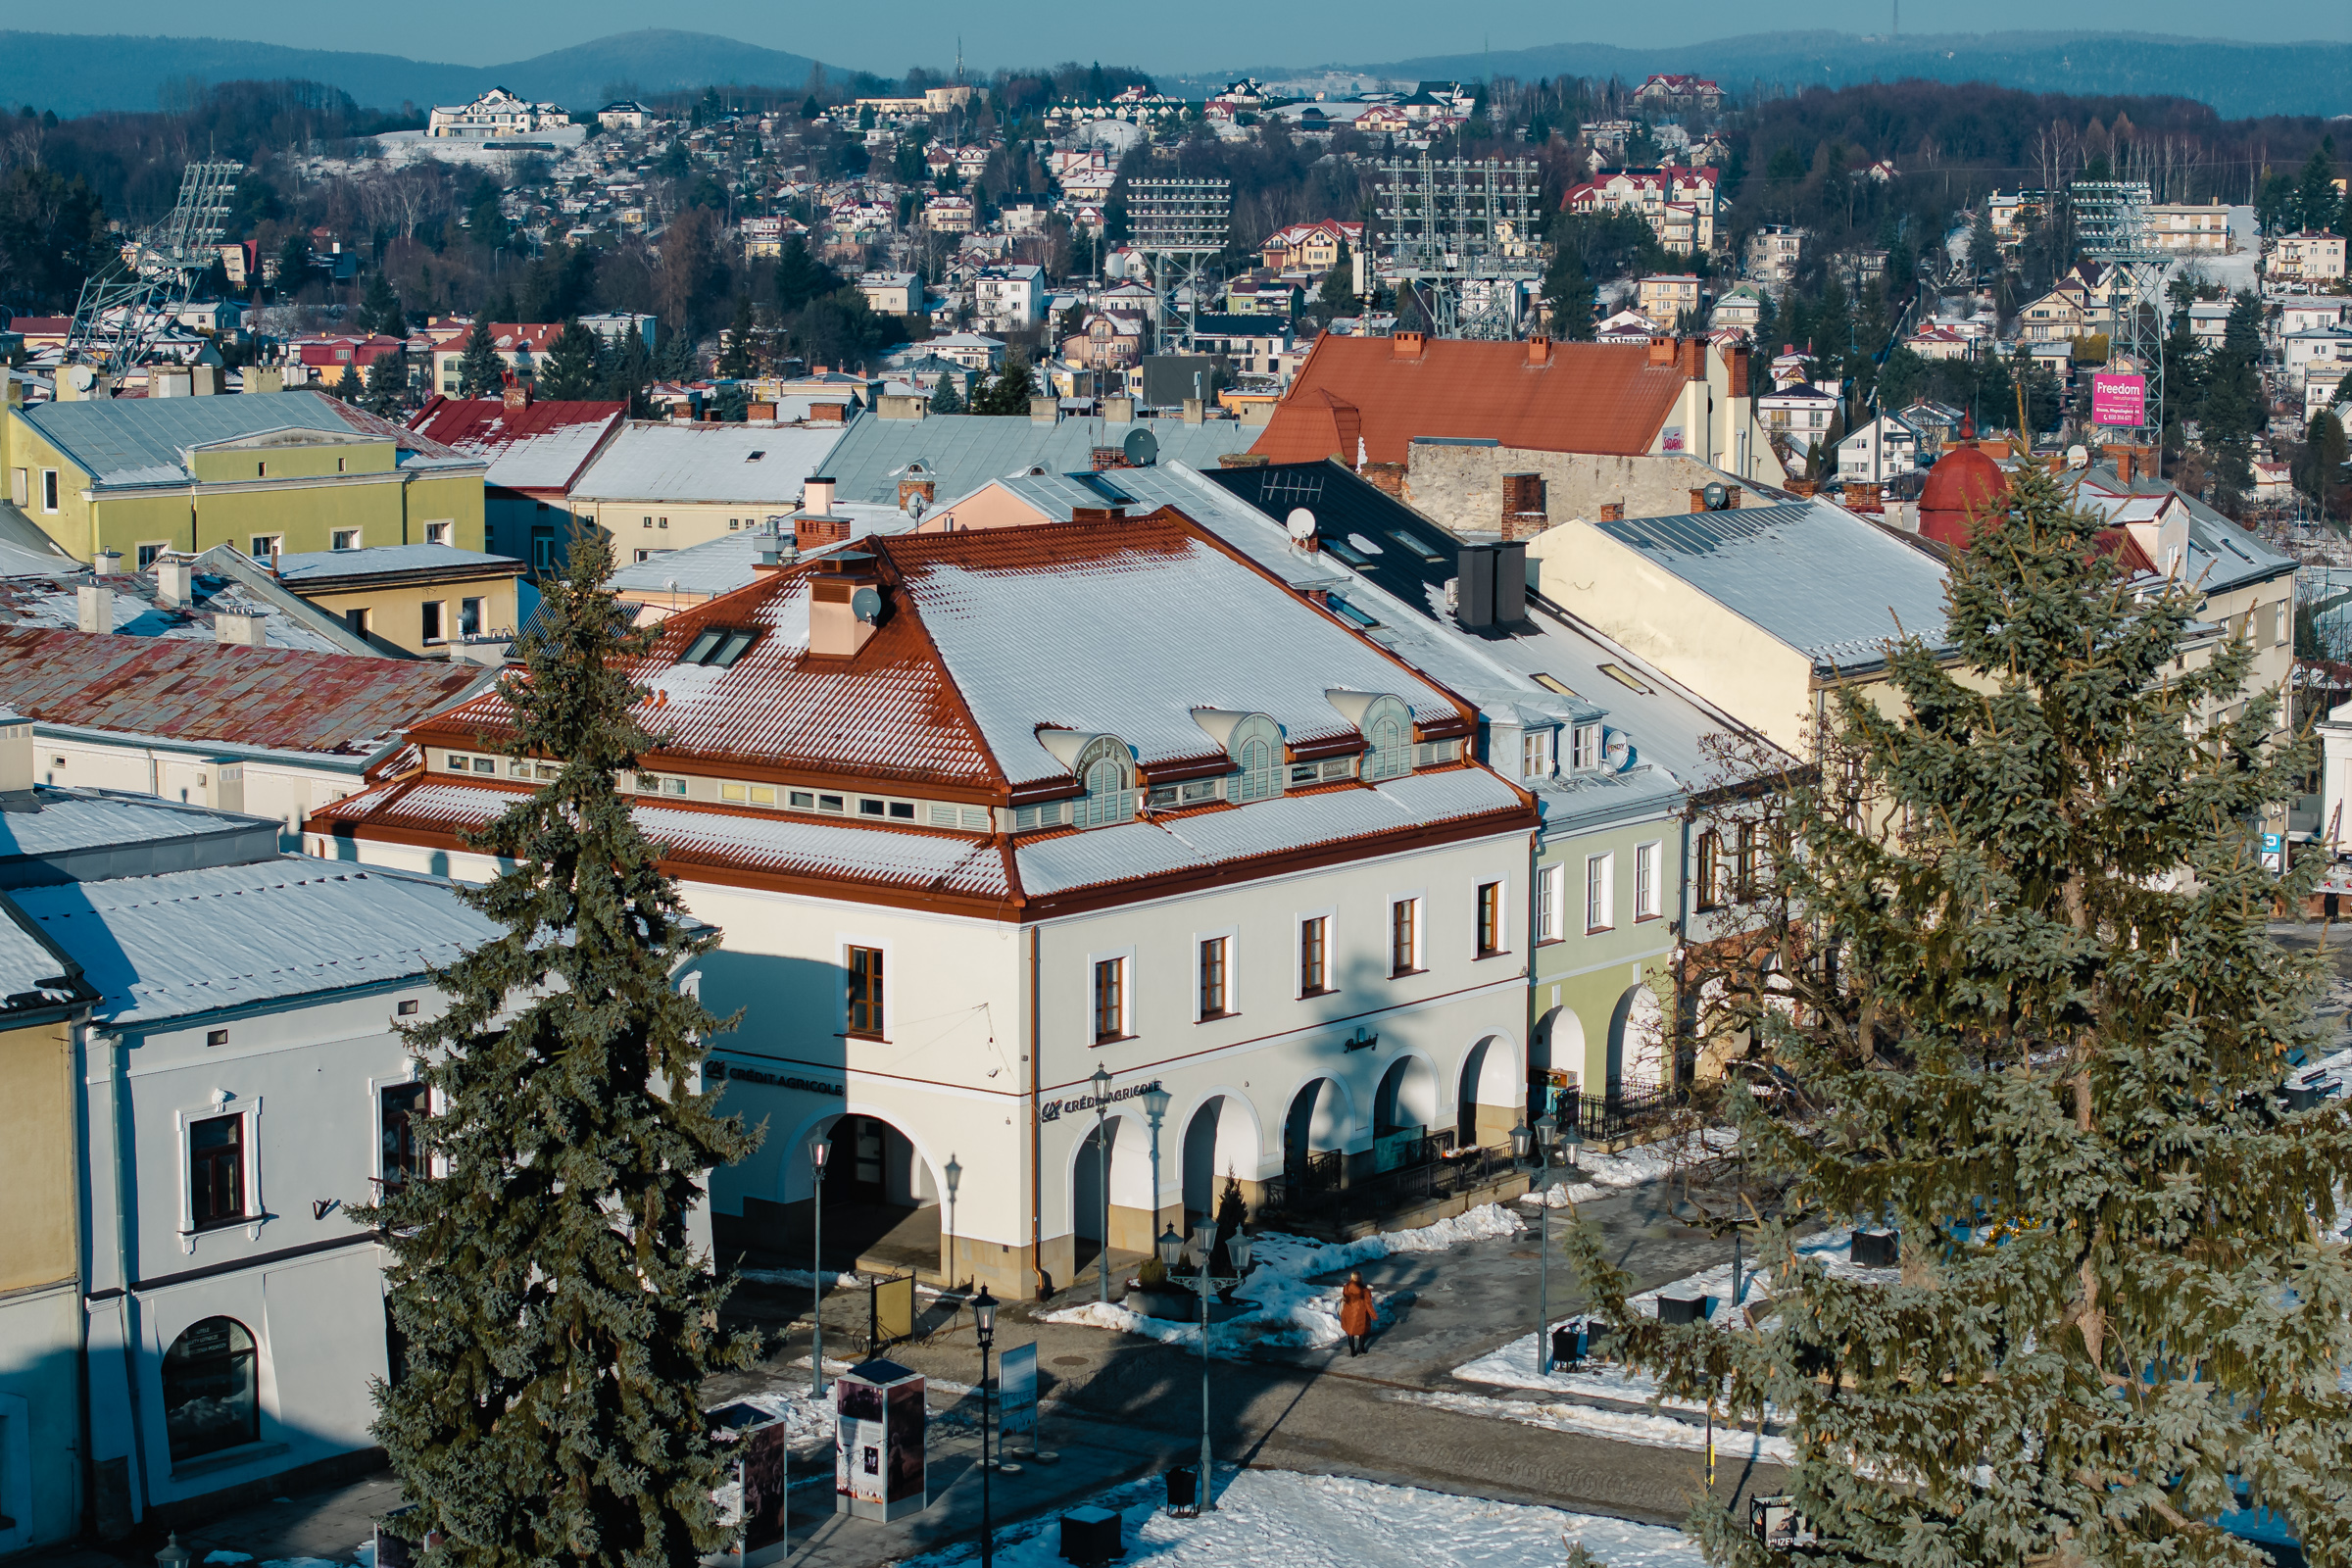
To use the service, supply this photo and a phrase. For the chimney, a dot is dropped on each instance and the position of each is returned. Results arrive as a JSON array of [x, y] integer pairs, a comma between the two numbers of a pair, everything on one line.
[[1735, 361], [1661, 351], [1539, 351], [172, 382], [765, 412], [1097, 513], [1407, 345], [174, 581], [1699, 501], [517, 392], [816, 496], [1860, 497], [16, 753], [264, 379], [845, 607], [1193, 412], [110, 563], [204, 381], [1522, 504], [1691, 357], [774, 551], [1612, 512], [239, 631], [828, 413], [1045, 410], [1118, 410], [96, 605]]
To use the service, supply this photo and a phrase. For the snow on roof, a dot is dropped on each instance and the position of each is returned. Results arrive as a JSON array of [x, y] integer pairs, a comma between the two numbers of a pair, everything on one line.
[[653, 462], [33, 974], [194, 942], [322, 566], [962, 452], [541, 446], [66, 821], [139, 612], [144, 441]]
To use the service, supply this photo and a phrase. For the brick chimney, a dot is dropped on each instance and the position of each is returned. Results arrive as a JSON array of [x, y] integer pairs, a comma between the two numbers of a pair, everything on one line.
[[1661, 351], [1407, 345], [927, 490], [1734, 363], [1539, 351], [1691, 357], [518, 391], [1860, 497], [1523, 513], [1612, 512]]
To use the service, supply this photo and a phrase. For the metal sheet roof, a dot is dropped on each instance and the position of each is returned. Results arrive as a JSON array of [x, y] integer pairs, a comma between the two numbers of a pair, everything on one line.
[[270, 698], [133, 441], [33, 975], [323, 565], [193, 941], [653, 462], [540, 446], [962, 452], [1815, 577]]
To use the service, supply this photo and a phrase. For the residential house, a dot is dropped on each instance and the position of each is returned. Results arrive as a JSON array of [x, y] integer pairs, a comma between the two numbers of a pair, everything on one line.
[[1937, 341], [2301, 312], [1113, 342], [1250, 344], [294, 470], [1187, 872], [1008, 298], [1741, 307], [763, 237], [660, 487], [2055, 318], [2325, 352], [975, 351], [1669, 297], [519, 345], [1886, 448], [624, 114], [430, 601], [892, 293], [2190, 227], [331, 362], [1314, 248], [495, 114], [1678, 92], [2209, 323], [948, 215], [1800, 414], [273, 731], [536, 451], [2306, 257], [1680, 205], [2013, 213], [1453, 417]]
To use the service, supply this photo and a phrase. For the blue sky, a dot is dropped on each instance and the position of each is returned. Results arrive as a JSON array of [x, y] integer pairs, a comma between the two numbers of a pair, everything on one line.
[[1190, 35]]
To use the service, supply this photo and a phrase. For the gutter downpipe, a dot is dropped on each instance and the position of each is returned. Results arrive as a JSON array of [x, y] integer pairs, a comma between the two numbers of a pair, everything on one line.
[[117, 1076], [1037, 1222]]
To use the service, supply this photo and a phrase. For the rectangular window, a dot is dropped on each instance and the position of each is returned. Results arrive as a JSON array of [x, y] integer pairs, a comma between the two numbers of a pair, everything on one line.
[[1743, 864], [1110, 999], [48, 489], [1404, 936], [1584, 747], [265, 546], [1534, 753], [217, 1171], [1215, 977], [357, 620], [1489, 918], [649, 522], [1648, 890], [399, 1109], [1552, 907], [432, 621], [436, 533], [543, 549], [1314, 955], [148, 553], [1599, 894], [470, 617], [20, 486], [346, 538], [865, 991]]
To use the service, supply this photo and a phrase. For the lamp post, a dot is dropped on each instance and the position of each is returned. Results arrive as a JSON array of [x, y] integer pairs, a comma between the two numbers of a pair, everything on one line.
[[1548, 1127], [1156, 1105], [819, 1149], [1171, 1253], [953, 1174], [1102, 1083], [984, 1318]]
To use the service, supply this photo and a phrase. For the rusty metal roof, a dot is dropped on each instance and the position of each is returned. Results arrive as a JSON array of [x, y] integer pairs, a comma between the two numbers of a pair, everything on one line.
[[1587, 397], [273, 699]]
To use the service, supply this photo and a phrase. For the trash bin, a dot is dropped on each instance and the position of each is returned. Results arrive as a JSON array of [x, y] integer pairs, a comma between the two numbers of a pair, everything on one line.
[[1182, 1492], [1091, 1537], [1567, 1346], [1875, 1249], [1674, 1309]]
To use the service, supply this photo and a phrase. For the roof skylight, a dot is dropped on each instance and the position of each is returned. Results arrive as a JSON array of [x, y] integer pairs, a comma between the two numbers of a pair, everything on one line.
[[718, 646]]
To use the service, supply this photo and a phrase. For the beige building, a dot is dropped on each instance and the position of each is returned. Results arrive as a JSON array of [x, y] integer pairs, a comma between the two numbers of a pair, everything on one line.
[[431, 601], [660, 486], [1666, 296], [2186, 226], [2308, 258]]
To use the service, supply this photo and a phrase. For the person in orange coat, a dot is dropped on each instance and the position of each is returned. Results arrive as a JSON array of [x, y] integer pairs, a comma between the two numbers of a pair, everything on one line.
[[1355, 1312]]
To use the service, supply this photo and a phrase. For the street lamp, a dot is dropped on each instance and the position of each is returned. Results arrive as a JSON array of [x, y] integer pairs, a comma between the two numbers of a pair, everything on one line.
[[955, 1178], [1102, 1083], [984, 1318], [1521, 1136], [819, 1149], [1156, 1105], [1171, 1253], [1548, 1127]]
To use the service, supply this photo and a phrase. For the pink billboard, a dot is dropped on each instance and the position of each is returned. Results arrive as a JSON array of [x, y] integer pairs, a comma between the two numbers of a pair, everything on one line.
[[2119, 399]]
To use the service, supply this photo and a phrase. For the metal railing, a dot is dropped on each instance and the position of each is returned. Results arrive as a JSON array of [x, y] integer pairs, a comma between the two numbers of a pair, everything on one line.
[[1601, 1118], [1431, 1168]]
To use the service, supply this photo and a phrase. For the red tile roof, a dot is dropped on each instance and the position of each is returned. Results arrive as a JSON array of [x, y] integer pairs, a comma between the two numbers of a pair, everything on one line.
[[1588, 397], [278, 699]]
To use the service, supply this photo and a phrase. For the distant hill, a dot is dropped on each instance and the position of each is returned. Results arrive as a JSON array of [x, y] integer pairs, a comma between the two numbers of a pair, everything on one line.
[[2239, 80], [77, 73]]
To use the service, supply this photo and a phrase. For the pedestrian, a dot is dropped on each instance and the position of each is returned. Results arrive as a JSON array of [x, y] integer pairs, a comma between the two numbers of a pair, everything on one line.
[[1355, 1312]]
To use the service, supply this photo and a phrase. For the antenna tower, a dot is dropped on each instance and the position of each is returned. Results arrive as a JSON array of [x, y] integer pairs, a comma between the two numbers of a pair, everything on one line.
[[1462, 232], [127, 304], [2111, 218], [1177, 225]]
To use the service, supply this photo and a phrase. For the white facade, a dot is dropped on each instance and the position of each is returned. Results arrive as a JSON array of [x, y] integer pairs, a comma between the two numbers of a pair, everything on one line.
[[495, 113], [1008, 299], [1878, 451], [285, 785]]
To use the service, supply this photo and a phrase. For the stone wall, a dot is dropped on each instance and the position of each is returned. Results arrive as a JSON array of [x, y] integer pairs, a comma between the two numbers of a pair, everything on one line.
[[1469, 488]]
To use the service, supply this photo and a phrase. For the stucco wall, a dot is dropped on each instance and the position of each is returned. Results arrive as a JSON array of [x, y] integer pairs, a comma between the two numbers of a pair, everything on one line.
[[1461, 486]]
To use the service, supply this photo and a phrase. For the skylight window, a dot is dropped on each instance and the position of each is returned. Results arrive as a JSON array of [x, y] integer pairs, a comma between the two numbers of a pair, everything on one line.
[[1622, 678], [756, 456], [718, 646]]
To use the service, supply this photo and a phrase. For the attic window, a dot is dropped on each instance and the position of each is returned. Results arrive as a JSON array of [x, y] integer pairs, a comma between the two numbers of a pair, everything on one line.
[[1623, 679], [754, 457], [1552, 683], [719, 646]]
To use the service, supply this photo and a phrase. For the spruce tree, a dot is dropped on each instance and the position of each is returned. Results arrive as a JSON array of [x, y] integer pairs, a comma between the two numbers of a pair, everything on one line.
[[944, 399], [555, 1319], [1009, 393], [738, 362], [1336, 296], [478, 373], [570, 369], [2011, 979], [388, 384], [382, 312]]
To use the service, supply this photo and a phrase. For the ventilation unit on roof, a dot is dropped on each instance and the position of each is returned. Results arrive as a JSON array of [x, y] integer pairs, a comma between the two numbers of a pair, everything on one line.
[[1493, 592]]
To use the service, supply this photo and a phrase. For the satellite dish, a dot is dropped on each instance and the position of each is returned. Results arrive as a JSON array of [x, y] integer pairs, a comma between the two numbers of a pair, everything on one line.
[[866, 606], [1301, 523], [1716, 497], [1141, 448], [915, 505]]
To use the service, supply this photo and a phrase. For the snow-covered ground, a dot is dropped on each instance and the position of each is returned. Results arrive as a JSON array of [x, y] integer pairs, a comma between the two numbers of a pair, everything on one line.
[[1603, 1174], [1621, 1426], [1292, 1311], [1296, 1521]]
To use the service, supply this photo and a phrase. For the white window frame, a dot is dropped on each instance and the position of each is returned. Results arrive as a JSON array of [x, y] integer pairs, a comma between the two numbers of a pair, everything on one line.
[[843, 941], [1503, 918], [1551, 904], [1418, 898], [1601, 892], [1232, 937], [1537, 748], [1649, 861], [359, 538], [1125, 957], [52, 493], [1585, 748], [1328, 914], [407, 1074], [441, 532], [250, 1139]]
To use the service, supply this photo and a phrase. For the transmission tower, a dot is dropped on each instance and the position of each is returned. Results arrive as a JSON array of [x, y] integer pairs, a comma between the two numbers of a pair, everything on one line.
[[1176, 224], [127, 304], [1453, 224], [2111, 220]]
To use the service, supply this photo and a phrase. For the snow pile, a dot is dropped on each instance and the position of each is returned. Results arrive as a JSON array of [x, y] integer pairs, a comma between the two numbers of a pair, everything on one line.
[[1298, 1521], [1635, 1166], [1289, 1311], [1621, 1426], [805, 1419]]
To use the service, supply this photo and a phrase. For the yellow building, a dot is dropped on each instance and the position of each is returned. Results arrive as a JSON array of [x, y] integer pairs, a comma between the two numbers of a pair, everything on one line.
[[268, 472], [427, 599]]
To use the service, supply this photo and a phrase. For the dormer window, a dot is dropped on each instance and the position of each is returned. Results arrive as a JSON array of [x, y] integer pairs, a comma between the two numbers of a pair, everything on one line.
[[1585, 748], [718, 646], [1534, 753], [1107, 771]]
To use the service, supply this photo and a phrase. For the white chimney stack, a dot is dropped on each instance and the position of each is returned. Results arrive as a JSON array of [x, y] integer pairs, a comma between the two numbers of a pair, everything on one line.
[[240, 632], [174, 581], [16, 753], [816, 496], [97, 607]]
